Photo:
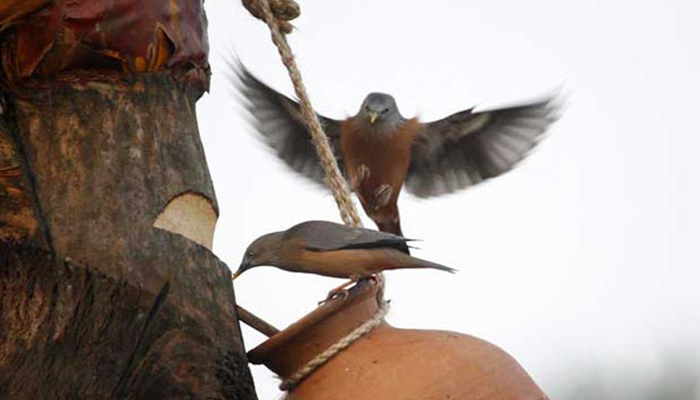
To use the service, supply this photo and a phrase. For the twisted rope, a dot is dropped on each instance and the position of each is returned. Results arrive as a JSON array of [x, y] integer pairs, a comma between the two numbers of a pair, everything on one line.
[[334, 179], [336, 348]]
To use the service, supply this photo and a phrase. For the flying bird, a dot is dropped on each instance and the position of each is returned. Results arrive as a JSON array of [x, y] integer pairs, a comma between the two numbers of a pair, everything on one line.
[[335, 250], [378, 150]]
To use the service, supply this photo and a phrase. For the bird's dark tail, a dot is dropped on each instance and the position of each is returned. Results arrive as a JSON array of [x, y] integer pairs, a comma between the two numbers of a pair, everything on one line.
[[430, 264], [413, 262]]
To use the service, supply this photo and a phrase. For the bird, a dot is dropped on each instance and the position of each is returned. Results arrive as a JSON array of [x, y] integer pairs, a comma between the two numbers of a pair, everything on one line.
[[334, 250], [379, 151]]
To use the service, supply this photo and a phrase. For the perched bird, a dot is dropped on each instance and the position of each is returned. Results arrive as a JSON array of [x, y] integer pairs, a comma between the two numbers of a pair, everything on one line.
[[378, 149], [330, 249]]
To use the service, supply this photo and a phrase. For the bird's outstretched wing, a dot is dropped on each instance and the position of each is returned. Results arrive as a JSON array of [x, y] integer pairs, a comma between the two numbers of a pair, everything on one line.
[[279, 120], [469, 147], [328, 236]]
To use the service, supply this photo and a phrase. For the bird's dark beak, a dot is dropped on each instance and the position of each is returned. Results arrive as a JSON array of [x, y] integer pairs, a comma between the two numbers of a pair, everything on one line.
[[237, 273], [372, 116]]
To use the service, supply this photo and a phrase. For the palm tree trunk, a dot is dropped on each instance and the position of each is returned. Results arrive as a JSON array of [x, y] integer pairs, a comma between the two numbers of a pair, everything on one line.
[[108, 286]]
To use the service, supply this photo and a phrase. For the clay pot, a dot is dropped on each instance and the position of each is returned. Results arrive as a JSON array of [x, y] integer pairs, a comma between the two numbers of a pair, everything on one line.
[[389, 363]]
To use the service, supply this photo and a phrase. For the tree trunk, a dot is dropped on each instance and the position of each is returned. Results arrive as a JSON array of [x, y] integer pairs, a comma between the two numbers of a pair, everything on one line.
[[108, 287]]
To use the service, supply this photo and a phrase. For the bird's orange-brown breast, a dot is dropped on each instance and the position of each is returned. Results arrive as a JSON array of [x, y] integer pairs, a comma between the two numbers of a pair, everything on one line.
[[376, 161]]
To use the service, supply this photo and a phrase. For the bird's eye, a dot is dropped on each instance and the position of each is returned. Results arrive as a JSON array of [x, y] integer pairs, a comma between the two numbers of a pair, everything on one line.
[[250, 254], [386, 110]]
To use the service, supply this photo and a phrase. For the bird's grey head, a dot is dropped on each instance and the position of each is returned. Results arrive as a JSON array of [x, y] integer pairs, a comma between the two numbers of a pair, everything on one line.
[[263, 251], [379, 110]]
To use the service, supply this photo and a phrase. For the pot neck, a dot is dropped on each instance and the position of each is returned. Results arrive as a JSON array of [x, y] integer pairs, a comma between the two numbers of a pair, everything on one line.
[[293, 347]]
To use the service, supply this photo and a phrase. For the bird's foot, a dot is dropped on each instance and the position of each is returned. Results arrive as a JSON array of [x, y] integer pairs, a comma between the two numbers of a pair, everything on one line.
[[361, 173], [383, 194], [337, 292]]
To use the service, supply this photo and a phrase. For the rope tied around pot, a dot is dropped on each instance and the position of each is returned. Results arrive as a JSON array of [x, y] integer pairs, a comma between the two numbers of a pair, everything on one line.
[[336, 348]]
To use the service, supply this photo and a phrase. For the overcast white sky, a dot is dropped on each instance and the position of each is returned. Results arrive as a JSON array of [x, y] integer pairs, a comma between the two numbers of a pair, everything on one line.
[[587, 254]]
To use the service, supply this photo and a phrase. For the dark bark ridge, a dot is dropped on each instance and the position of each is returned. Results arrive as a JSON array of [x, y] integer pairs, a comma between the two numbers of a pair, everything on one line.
[[17, 219]]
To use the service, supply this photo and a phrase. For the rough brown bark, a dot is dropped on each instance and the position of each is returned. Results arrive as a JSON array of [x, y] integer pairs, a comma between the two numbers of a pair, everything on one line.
[[70, 331], [99, 143]]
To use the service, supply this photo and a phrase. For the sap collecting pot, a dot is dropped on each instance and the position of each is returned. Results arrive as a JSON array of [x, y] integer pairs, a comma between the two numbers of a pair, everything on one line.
[[390, 363]]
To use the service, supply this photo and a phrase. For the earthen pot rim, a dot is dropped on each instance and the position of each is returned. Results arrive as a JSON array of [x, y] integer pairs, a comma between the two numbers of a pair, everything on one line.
[[363, 296]]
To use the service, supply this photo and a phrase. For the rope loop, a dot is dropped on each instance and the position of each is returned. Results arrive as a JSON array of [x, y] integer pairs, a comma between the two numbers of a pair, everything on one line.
[[336, 348]]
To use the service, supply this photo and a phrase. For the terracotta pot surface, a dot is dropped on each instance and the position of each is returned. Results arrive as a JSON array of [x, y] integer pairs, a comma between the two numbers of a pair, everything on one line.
[[390, 363]]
